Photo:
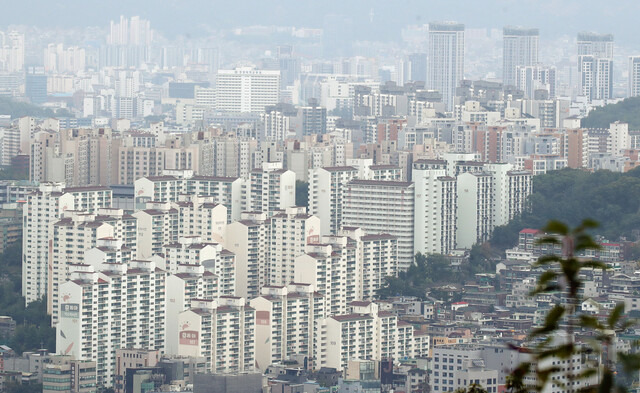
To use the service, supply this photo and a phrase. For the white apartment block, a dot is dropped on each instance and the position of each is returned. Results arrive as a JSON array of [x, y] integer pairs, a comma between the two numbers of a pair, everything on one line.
[[277, 125], [333, 271], [326, 195], [9, 144], [157, 226], [286, 319], [382, 207], [215, 259], [119, 306], [249, 239], [634, 76], [459, 366], [520, 49], [445, 67], [272, 188], [367, 333], [44, 207], [247, 89], [619, 136], [135, 162], [291, 230], [167, 188], [187, 283], [79, 238], [377, 259], [222, 331], [475, 208], [435, 208], [501, 191], [201, 216], [125, 227], [75, 233], [520, 187]]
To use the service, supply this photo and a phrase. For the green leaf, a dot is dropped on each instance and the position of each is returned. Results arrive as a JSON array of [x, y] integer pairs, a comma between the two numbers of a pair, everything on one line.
[[551, 321], [588, 223], [547, 259], [590, 322], [547, 240], [585, 242], [615, 315], [630, 361], [557, 227], [606, 384], [595, 265], [547, 276]]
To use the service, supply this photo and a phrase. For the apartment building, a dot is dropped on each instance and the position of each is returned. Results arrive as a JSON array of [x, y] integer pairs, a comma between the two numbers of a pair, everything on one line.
[[44, 207], [291, 230], [326, 195], [435, 208], [222, 331], [286, 318], [157, 226], [271, 188], [475, 199], [367, 333], [73, 234], [382, 207], [168, 188], [116, 305], [247, 89], [332, 268], [379, 259], [186, 283], [215, 259], [250, 239], [459, 366]]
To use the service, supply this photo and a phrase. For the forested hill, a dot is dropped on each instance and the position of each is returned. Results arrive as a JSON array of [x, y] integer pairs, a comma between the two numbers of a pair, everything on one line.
[[18, 109], [570, 195], [626, 111]]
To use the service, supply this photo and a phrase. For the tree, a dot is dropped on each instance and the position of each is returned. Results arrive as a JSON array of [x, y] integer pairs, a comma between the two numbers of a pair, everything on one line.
[[473, 388], [302, 193], [626, 111], [568, 194], [33, 330], [424, 271], [555, 339]]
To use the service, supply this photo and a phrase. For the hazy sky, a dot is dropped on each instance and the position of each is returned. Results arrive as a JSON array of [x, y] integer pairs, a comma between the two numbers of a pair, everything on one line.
[[171, 17]]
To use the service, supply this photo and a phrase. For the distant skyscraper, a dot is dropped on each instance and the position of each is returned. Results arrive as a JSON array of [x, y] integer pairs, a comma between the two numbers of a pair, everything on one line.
[[247, 89], [417, 67], [520, 49], [532, 78], [445, 67], [634, 76], [35, 87], [595, 65], [11, 51], [130, 32], [598, 45]]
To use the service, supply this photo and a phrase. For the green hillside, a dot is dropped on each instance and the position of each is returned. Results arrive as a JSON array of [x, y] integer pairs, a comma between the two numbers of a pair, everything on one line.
[[626, 111], [572, 195], [20, 109]]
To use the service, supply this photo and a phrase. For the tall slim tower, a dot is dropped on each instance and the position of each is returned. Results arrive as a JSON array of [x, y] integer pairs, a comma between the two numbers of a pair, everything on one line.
[[446, 59], [595, 65], [520, 49], [634, 76]]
